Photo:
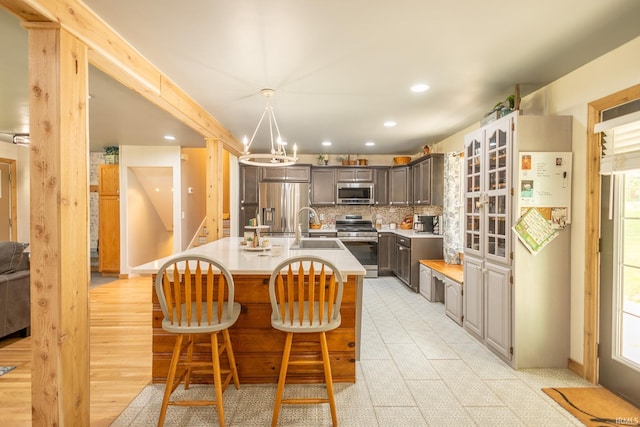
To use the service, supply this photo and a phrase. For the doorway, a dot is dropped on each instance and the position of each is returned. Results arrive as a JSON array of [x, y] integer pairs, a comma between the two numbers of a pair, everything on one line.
[[619, 332], [8, 217]]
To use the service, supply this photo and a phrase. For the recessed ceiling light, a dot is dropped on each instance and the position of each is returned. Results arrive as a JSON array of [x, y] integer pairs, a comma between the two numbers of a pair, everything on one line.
[[390, 123], [420, 87], [326, 143], [369, 143], [170, 137]]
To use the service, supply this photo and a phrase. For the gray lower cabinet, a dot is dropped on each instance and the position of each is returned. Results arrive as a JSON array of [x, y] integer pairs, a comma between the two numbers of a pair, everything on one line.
[[386, 253], [453, 300], [487, 304], [426, 283], [409, 252], [323, 188], [403, 262]]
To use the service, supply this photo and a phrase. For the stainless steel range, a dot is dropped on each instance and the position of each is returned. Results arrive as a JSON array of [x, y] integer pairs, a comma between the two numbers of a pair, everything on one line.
[[361, 238]]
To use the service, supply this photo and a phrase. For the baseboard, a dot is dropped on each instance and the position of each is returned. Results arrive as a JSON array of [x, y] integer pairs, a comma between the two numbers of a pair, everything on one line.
[[576, 368]]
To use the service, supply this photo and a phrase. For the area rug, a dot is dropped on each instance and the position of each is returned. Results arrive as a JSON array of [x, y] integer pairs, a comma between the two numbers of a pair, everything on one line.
[[98, 279], [5, 369], [595, 406]]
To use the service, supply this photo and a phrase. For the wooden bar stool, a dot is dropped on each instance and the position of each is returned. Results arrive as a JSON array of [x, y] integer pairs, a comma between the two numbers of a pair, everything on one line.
[[305, 299], [196, 297]]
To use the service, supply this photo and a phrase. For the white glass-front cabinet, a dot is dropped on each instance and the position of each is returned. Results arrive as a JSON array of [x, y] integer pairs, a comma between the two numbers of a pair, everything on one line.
[[515, 303], [487, 274]]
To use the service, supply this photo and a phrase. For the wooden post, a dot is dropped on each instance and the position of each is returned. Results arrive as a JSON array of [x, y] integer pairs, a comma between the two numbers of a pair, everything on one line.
[[58, 70], [214, 188]]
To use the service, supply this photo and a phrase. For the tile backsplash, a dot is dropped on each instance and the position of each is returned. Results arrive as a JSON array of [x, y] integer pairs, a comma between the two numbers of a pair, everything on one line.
[[388, 214]]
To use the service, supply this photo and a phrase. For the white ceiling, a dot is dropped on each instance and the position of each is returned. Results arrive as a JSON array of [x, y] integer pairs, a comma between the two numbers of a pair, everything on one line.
[[339, 68]]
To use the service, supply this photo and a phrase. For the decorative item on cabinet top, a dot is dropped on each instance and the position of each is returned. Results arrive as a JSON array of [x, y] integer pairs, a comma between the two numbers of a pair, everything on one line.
[[111, 154], [323, 159], [347, 160], [503, 108], [401, 160]]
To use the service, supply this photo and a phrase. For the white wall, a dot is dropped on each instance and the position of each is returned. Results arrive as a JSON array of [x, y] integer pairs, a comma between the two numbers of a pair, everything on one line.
[[147, 226], [234, 195], [194, 203], [161, 156], [570, 95]]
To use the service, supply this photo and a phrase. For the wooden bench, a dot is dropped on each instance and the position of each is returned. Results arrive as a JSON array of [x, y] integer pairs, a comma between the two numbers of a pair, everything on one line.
[[443, 283]]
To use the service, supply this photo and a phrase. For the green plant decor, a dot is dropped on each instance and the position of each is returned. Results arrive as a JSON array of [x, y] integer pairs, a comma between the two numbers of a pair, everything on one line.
[[111, 150]]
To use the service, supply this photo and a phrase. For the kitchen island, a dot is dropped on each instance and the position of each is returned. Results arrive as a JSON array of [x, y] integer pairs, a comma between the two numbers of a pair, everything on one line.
[[256, 345]]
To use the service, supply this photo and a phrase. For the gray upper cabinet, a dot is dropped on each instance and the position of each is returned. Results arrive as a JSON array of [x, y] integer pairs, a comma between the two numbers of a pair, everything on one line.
[[249, 178], [400, 186], [323, 188], [381, 192], [299, 173], [428, 180], [354, 175]]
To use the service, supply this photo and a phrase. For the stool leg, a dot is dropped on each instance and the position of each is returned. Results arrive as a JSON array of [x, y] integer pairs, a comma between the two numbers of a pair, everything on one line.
[[232, 359], [216, 377], [168, 388], [187, 378], [328, 377], [281, 380]]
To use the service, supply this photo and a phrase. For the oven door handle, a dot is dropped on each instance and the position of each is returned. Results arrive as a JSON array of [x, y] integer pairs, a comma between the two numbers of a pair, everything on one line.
[[358, 240]]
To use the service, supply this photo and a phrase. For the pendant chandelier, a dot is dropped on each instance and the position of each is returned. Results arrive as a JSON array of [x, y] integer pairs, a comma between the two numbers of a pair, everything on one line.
[[278, 155]]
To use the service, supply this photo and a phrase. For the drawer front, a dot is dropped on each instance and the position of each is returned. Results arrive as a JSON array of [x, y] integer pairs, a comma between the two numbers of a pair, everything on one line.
[[404, 241]]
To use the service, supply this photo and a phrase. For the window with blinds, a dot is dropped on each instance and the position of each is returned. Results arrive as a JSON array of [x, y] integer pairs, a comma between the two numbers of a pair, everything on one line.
[[620, 143]]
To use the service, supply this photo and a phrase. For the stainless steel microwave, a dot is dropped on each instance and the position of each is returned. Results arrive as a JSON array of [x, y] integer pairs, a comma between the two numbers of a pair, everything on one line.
[[355, 193]]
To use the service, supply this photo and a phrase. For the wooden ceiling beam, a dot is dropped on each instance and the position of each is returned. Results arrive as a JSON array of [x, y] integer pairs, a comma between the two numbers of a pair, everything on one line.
[[112, 54]]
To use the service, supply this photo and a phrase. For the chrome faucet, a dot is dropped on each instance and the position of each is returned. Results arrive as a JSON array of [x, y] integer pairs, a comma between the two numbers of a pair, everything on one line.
[[298, 226]]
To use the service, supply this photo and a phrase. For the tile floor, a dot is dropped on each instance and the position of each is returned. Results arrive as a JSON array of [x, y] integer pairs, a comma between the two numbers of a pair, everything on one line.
[[417, 368]]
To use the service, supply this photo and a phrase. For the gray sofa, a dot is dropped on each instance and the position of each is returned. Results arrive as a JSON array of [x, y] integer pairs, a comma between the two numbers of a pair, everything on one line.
[[15, 293]]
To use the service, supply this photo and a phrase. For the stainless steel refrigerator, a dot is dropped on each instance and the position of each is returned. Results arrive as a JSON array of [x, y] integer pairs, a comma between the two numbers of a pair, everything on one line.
[[278, 204]]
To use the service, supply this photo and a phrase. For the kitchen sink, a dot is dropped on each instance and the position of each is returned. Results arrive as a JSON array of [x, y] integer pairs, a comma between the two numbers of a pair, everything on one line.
[[316, 244]]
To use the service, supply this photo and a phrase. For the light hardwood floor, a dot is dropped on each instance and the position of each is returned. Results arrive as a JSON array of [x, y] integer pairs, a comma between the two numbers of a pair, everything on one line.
[[120, 345]]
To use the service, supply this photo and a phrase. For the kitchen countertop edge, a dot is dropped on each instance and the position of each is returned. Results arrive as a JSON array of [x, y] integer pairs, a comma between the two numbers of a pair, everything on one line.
[[230, 253]]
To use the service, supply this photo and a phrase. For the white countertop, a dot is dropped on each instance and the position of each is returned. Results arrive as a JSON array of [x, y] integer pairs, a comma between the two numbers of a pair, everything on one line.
[[230, 252], [399, 231], [411, 234]]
